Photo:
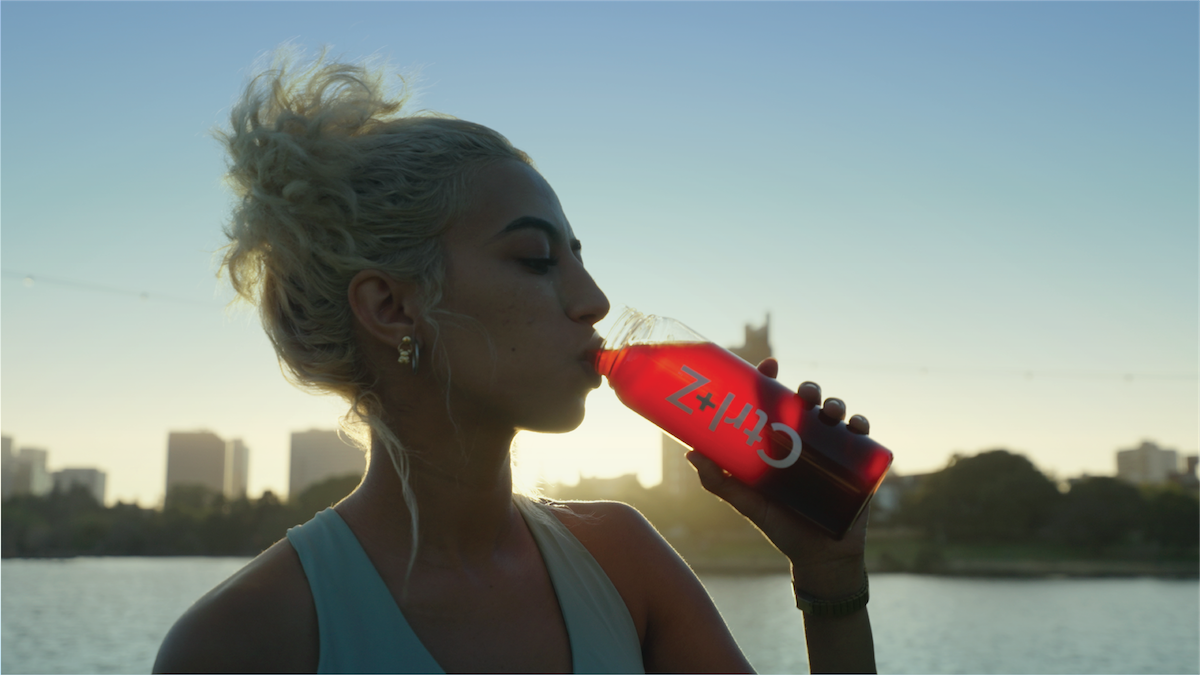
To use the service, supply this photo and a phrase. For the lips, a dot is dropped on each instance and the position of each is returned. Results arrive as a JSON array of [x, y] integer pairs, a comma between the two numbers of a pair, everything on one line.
[[594, 345], [594, 379], [588, 360]]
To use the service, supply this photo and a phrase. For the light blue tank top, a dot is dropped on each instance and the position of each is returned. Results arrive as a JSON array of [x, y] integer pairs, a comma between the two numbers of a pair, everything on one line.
[[362, 630]]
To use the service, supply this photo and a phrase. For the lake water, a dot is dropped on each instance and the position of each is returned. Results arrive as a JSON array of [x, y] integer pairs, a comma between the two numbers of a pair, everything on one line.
[[108, 615]]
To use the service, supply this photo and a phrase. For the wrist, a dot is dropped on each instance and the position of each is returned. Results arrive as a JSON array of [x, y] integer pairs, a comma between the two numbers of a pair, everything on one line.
[[834, 607], [830, 580]]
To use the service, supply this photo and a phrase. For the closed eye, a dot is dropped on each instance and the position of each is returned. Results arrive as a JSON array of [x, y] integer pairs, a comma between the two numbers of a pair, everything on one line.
[[540, 265]]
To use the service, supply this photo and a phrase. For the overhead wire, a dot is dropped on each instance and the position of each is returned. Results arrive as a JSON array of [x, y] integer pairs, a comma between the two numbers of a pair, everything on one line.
[[31, 280]]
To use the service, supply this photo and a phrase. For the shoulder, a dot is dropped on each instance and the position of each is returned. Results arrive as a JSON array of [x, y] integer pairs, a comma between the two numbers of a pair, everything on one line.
[[601, 520], [624, 543], [619, 537], [679, 626], [261, 619], [621, 540]]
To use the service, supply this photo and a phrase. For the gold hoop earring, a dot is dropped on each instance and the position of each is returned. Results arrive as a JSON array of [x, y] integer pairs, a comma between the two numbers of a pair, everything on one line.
[[410, 352]]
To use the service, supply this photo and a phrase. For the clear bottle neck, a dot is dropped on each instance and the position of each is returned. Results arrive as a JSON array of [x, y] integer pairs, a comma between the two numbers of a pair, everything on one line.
[[636, 328]]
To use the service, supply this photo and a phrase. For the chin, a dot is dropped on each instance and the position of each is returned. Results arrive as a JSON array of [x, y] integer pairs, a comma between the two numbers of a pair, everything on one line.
[[558, 421]]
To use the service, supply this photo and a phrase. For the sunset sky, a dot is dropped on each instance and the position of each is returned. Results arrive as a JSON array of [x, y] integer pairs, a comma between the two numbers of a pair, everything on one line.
[[975, 222]]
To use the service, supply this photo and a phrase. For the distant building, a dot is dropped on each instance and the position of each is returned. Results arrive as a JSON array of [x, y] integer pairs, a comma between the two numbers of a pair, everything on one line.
[[1188, 479], [6, 466], [196, 458], [757, 344], [887, 498], [29, 476], [892, 492], [678, 476], [1147, 464], [237, 469], [92, 479], [25, 473], [318, 454], [618, 487]]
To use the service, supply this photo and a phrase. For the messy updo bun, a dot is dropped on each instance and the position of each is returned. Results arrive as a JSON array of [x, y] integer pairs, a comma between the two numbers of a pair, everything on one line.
[[333, 175]]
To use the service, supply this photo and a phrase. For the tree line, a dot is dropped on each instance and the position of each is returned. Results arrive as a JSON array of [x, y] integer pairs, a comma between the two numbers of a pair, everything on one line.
[[998, 497], [194, 520], [994, 497]]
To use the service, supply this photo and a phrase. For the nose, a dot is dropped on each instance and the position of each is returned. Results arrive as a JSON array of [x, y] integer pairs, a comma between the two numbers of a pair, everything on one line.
[[587, 304]]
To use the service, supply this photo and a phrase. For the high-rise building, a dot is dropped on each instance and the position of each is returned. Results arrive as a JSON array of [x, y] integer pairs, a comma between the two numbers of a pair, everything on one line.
[[1147, 464], [757, 344], [92, 479], [319, 454], [196, 458], [29, 476], [7, 462], [237, 469], [678, 476], [25, 473]]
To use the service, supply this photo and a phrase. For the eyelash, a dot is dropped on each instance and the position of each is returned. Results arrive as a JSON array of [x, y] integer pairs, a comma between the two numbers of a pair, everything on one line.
[[540, 265]]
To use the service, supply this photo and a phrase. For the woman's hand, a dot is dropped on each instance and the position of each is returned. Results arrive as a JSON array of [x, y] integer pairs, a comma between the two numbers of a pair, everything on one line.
[[821, 566]]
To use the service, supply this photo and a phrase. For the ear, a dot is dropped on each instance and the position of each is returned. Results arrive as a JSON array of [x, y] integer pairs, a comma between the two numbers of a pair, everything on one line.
[[385, 308]]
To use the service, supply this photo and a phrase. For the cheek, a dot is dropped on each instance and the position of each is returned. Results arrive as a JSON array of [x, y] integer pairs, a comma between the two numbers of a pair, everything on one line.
[[514, 311]]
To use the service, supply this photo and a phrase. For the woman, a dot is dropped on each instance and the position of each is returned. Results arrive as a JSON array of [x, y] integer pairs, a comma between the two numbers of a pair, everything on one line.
[[419, 267]]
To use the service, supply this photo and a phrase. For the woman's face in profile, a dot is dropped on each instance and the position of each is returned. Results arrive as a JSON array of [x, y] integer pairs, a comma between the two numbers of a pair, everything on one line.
[[513, 266]]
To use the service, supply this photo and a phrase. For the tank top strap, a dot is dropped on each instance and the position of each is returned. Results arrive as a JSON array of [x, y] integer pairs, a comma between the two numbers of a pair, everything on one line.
[[354, 606], [603, 636]]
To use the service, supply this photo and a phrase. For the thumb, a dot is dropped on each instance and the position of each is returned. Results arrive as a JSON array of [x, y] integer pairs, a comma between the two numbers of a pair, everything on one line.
[[740, 496]]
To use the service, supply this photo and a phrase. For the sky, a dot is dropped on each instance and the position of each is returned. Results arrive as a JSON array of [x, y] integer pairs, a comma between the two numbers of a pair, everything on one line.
[[976, 223]]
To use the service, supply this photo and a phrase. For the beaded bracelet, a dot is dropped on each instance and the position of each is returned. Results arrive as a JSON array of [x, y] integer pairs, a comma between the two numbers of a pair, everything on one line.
[[835, 608]]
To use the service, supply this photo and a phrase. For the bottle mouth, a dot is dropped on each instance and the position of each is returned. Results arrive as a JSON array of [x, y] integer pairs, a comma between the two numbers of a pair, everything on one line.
[[635, 328], [629, 324], [603, 360]]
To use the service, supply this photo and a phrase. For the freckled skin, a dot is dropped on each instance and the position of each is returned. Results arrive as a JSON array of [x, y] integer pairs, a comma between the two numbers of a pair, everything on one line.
[[543, 322]]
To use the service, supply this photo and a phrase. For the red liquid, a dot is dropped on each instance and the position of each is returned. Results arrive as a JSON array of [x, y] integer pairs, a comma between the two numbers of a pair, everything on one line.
[[721, 406]]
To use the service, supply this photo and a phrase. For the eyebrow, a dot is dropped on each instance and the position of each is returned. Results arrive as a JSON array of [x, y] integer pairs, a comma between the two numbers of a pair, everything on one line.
[[535, 223]]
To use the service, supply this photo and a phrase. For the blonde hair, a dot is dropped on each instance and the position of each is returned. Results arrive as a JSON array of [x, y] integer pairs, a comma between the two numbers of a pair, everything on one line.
[[334, 175]]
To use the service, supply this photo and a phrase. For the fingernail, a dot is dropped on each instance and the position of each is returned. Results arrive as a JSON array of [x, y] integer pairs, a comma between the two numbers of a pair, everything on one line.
[[859, 425], [810, 394], [834, 408]]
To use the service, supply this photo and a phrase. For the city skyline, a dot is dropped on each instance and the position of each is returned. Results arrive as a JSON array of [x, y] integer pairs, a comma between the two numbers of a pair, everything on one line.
[[976, 223], [317, 454], [25, 472]]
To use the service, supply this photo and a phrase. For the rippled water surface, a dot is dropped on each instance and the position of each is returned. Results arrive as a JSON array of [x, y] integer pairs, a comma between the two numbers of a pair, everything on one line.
[[952, 625], [97, 615], [108, 615]]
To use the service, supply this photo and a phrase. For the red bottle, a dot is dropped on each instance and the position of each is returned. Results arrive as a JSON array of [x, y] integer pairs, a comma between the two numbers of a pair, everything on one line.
[[755, 428]]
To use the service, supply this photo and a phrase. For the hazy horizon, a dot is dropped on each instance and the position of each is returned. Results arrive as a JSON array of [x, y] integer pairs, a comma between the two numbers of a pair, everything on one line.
[[645, 477], [976, 223]]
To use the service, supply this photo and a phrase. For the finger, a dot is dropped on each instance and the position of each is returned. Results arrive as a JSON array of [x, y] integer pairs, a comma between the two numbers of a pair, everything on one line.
[[769, 367], [834, 409], [740, 496], [810, 393], [859, 425]]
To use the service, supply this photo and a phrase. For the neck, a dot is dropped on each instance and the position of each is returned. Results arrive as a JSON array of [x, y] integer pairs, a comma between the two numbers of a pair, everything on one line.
[[463, 494]]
